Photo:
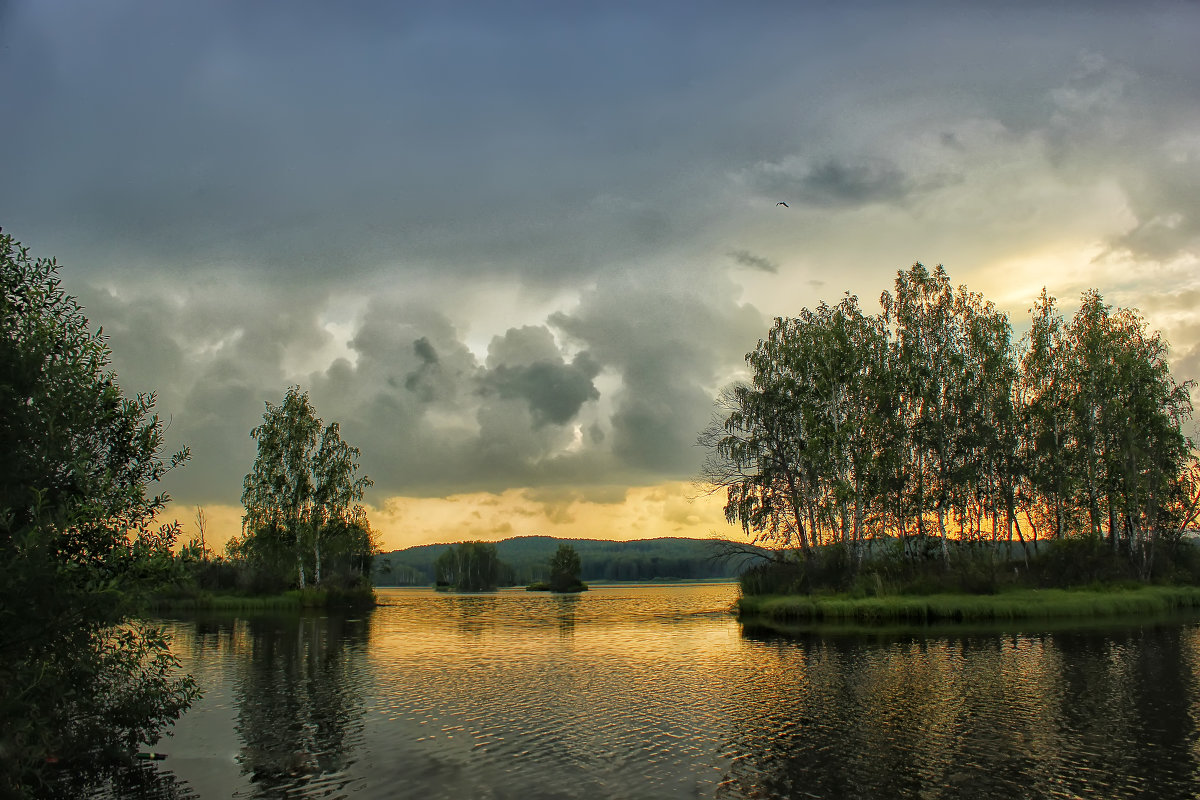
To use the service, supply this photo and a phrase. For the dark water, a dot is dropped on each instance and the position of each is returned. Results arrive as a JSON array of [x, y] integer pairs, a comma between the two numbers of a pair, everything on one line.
[[658, 692]]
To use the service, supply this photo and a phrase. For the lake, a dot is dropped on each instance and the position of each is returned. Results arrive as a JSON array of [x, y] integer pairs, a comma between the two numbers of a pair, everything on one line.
[[658, 692]]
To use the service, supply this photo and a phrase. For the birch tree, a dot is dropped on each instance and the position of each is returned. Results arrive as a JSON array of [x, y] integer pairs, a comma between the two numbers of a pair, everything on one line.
[[301, 483], [926, 414]]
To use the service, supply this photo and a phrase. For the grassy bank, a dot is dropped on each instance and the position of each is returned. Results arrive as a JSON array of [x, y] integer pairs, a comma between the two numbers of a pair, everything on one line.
[[1021, 604], [293, 600]]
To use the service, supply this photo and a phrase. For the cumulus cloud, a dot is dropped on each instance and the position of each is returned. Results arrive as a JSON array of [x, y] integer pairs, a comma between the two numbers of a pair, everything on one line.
[[555, 392], [497, 245], [615, 395], [672, 350]]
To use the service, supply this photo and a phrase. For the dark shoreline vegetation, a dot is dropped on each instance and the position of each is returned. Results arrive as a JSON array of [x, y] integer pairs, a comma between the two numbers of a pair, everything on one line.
[[85, 681], [353, 599], [476, 567], [82, 682], [1012, 605]]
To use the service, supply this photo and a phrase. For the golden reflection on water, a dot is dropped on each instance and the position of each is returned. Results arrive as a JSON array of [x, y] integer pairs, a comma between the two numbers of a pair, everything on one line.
[[1033, 715], [658, 692]]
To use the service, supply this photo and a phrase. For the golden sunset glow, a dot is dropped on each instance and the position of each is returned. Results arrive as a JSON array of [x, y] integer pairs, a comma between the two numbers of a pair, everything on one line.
[[669, 509]]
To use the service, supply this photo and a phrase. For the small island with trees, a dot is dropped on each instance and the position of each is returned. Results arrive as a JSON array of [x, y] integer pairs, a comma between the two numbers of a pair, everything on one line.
[[476, 567], [565, 569]]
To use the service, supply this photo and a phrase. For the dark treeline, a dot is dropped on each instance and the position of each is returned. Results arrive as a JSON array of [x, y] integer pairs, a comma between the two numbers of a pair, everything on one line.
[[527, 559], [927, 421]]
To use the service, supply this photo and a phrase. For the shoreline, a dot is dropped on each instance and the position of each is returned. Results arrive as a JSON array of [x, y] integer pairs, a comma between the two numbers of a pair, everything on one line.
[[1016, 605], [291, 600]]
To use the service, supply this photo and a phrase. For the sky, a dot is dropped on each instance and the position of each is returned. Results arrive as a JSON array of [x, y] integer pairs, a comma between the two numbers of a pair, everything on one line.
[[516, 249]]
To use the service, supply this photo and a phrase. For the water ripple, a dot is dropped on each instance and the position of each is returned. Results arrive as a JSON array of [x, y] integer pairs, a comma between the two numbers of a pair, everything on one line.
[[656, 692]]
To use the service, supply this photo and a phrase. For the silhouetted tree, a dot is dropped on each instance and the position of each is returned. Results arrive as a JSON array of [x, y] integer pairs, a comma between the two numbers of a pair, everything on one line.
[[78, 679], [565, 568]]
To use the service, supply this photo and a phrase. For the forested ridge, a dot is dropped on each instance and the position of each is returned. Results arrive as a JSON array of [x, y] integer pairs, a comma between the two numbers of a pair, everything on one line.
[[528, 560]]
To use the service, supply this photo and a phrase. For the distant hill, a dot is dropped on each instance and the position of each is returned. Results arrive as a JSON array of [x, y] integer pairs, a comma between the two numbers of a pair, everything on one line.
[[529, 558]]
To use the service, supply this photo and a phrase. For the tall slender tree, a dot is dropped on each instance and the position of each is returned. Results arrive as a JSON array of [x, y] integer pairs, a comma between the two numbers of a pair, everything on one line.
[[301, 489], [925, 327], [1043, 401]]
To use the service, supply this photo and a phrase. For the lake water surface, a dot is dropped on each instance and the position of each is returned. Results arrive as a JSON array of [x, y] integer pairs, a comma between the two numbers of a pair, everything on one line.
[[658, 692]]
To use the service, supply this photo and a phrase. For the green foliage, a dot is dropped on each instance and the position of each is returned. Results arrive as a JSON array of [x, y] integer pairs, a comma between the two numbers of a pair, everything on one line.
[[301, 499], [793, 451], [929, 423], [564, 570], [325, 597], [469, 567], [1106, 451], [1029, 604], [916, 567], [78, 540]]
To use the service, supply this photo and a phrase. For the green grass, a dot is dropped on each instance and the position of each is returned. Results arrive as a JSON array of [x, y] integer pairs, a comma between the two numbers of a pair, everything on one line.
[[657, 581], [292, 600], [1022, 604]]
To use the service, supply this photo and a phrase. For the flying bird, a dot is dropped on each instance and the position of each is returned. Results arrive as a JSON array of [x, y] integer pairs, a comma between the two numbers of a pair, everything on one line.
[[781, 203]]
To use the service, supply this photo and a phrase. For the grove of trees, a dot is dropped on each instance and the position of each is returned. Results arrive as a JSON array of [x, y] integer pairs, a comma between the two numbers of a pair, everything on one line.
[[928, 420], [301, 498], [470, 567], [80, 681]]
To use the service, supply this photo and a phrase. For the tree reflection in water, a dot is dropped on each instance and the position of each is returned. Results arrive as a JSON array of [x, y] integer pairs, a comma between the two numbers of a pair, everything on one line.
[[300, 705], [991, 716], [565, 612], [473, 612]]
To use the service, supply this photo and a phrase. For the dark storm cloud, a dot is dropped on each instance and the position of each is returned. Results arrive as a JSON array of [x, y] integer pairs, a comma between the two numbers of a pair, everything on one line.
[[761, 263], [212, 359], [555, 392], [428, 416], [252, 196], [409, 358], [423, 380], [527, 363], [348, 141], [835, 182], [425, 351]]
